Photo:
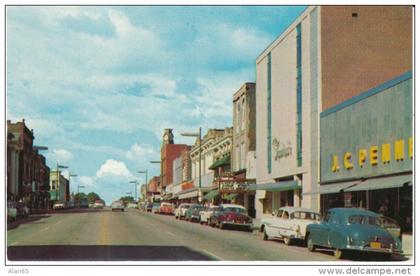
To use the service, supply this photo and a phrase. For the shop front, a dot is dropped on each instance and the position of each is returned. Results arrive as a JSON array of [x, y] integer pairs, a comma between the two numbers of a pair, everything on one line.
[[367, 152], [277, 194]]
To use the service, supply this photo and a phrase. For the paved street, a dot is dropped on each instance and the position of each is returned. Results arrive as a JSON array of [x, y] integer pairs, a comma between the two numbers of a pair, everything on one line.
[[138, 236]]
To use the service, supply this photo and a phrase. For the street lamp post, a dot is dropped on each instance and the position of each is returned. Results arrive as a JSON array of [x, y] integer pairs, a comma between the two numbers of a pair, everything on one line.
[[71, 175], [78, 195], [145, 172], [135, 188], [197, 135]]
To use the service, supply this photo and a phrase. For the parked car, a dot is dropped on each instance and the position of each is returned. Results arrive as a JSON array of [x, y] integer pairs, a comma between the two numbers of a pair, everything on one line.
[[288, 223], [149, 207], [233, 215], [131, 205], [193, 213], [392, 226], [180, 211], [98, 205], [59, 205], [117, 205], [352, 229], [207, 213], [166, 208], [156, 208], [11, 211]]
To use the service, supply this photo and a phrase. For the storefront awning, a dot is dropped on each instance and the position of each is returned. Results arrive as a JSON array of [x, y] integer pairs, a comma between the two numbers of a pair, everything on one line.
[[210, 195], [188, 194], [336, 187], [382, 183], [276, 187], [167, 196], [225, 160]]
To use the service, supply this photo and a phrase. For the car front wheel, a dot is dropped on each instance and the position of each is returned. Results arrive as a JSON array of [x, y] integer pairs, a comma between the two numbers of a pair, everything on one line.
[[265, 237], [310, 244], [338, 253]]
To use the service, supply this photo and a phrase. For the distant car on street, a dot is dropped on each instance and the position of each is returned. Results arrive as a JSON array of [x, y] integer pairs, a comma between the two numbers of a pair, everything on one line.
[[117, 205], [166, 208], [352, 229], [206, 214], [156, 208], [193, 213], [131, 205], [98, 205], [232, 215], [288, 223], [180, 211], [11, 211], [149, 207], [59, 205]]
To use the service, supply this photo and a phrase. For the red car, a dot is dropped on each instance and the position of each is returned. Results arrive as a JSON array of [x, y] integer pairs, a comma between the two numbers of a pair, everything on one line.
[[166, 208], [231, 215]]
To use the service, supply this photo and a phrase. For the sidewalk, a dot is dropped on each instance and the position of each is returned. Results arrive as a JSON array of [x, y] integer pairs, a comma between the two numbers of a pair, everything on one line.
[[407, 245]]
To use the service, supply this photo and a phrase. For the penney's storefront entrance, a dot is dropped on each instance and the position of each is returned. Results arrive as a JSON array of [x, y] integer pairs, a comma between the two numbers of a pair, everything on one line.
[[367, 152]]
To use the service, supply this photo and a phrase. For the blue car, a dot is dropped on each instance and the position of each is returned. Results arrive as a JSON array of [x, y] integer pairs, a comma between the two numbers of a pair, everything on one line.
[[352, 229]]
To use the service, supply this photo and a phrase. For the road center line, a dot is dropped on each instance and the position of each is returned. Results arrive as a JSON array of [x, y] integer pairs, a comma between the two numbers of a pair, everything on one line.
[[44, 229], [170, 233], [213, 255]]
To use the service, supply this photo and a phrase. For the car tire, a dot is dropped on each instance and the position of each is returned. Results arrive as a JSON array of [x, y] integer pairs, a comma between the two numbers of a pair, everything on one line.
[[287, 240], [310, 244], [338, 253], [265, 236], [221, 225]]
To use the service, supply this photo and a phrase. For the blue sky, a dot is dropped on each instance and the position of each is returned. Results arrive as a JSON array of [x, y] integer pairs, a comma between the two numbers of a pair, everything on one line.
[[99, 84]]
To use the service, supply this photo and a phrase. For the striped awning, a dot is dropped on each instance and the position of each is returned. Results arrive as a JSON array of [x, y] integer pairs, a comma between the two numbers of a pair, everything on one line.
[[382, 183]]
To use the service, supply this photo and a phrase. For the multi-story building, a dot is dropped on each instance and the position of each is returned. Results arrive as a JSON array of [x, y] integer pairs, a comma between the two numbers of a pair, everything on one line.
[[153, 192], [42, 181], [243, 147], [328, 55], [27, 172], [169, 152], [59, 187], [216, 146]]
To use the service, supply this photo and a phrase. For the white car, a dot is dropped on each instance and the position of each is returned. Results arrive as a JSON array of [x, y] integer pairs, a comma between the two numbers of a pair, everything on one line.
[[206, 214], [288, 223], [182, 208], [59, 205]]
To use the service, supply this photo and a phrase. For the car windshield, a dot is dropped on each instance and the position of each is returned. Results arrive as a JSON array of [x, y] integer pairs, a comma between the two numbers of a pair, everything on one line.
[[234, 209], [306, 215], [363, 219], [186, 207], [198, 207]]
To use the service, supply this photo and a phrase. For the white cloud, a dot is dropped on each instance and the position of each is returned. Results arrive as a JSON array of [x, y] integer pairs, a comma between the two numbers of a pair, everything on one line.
[[113, 168], [140, 152], [61, 156]]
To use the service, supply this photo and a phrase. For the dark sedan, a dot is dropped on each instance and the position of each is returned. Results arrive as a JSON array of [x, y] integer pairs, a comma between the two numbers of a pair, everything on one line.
[[352, 229], [231, 215]]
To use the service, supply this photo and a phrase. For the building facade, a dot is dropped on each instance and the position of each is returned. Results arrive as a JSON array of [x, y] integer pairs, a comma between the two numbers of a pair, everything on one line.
[[328, 55], [59, 187], [367, 152], [169, 152], [244, 143], [27, 172], [153, 192]]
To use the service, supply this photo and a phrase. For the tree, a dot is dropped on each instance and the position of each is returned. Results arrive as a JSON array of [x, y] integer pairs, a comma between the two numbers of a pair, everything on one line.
[[79, 196], [127, 199], [92, 197]]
